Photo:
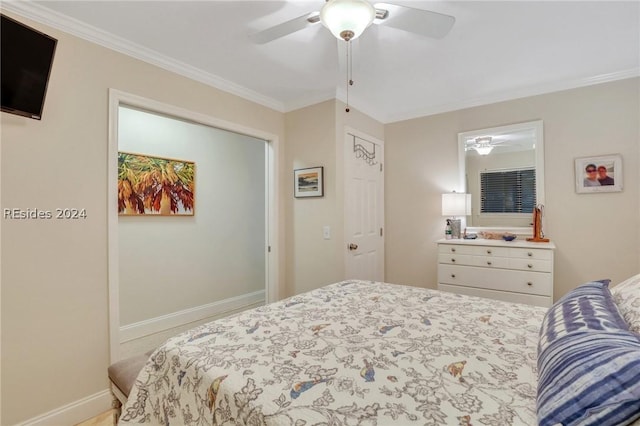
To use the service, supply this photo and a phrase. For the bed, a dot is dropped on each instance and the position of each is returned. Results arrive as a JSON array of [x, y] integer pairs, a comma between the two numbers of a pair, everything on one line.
[[360, 353]]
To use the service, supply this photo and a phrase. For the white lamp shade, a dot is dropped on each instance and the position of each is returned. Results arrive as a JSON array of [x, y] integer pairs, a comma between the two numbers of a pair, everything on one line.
[[456, 204], [347, 15]]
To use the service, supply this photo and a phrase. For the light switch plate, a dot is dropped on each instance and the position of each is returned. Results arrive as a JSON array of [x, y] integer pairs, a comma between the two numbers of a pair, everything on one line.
[[326, 232]]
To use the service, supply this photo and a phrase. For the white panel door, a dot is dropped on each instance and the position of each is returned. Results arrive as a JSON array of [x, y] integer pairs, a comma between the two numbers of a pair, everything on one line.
[[364, 207]]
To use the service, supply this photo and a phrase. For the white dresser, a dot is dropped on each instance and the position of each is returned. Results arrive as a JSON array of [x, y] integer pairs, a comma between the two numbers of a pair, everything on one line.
[[516, 271]]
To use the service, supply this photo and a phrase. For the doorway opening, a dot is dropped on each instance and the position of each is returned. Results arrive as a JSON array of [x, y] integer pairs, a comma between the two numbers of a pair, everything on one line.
[[170, 272]]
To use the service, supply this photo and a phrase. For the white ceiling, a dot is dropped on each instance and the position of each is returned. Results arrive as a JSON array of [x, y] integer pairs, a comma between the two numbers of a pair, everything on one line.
[[496, 50]]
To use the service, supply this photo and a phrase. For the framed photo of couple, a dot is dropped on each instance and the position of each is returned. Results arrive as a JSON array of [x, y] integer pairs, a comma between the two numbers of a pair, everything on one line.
[[599, 174]]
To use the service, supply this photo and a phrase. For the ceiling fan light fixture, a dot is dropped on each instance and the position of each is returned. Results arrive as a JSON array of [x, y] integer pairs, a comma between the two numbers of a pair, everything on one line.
[[483, 150], [483, 145], [347, 19]]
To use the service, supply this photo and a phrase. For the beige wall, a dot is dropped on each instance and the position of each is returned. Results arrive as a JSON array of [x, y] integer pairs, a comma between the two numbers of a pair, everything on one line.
[[54, 273], [596, 234], [311, 260], [316, 135]]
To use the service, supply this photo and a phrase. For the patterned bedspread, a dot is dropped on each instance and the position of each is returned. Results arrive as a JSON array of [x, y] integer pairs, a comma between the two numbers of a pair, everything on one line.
[[351, 353]]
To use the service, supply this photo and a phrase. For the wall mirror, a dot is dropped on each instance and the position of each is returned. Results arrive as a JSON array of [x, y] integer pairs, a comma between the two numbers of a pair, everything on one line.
[[503, 170]]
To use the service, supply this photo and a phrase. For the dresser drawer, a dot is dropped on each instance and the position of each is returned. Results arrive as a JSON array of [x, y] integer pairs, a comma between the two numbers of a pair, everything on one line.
[[457, 259], [474, 250], [529, 253], [530, 265], [539, 283], [455, 249], [469, 260], [491, 262], [490, 251]]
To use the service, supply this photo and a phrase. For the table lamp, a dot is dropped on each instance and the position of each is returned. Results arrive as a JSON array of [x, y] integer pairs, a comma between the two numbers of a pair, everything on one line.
[[455, 204]]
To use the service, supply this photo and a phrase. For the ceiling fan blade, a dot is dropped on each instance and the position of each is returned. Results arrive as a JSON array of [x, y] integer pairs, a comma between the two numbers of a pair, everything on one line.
[[285, 28], [418, 21]]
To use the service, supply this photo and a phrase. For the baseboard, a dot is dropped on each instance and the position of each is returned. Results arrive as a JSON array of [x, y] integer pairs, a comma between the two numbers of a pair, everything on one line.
[[75, 412], [100, 402], [176, 319]]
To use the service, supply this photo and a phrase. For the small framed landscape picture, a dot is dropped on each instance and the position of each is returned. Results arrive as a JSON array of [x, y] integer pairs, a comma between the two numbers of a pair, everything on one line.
[[599, 174], [308, 182]]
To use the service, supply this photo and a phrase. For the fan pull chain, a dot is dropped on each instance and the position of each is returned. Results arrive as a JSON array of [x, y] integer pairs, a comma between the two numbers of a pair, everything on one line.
[[349, 72]]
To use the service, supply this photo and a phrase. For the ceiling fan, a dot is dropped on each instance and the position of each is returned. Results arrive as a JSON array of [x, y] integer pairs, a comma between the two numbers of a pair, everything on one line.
[[347, 19]]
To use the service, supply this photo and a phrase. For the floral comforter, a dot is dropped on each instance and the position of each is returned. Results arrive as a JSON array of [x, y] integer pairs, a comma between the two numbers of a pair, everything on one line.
[[351, 353]]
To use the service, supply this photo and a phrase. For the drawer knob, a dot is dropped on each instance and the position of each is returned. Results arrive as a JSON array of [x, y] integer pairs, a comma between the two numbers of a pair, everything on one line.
[[489, 263], [453, 275], [529, 283], [529, 254], [453, 249], [488, 251], [529, 266], [453, 260]]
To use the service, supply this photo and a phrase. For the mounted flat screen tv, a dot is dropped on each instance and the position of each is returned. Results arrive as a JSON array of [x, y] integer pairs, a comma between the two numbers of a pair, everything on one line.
[[26, 57]]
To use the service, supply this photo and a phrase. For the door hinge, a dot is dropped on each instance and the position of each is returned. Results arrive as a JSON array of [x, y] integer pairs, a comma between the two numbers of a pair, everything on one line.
[[381, 232], [380, 166], [269, 249]]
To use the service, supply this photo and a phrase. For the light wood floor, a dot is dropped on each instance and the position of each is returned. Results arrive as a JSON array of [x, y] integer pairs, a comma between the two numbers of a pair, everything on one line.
[[107, 418]]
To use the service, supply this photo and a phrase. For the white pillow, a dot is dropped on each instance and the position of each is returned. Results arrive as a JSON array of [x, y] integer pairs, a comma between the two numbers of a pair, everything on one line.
[[627, 297]]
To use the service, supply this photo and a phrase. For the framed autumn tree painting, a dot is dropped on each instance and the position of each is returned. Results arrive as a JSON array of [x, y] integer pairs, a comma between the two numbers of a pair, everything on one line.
[[150, 185]]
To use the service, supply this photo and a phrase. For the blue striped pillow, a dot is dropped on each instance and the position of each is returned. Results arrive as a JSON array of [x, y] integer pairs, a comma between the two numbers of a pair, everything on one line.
[[588, 362]]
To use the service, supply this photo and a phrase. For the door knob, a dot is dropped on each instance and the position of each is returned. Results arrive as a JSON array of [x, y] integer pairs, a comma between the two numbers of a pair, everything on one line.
[[353, 246]]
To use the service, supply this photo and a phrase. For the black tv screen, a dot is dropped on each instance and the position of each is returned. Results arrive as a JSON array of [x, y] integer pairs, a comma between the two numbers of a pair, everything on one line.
[[25, 65]]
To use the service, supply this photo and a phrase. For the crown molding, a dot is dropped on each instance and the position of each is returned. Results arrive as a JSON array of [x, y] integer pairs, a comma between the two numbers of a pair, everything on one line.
[[103, 38], [515, 94]]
